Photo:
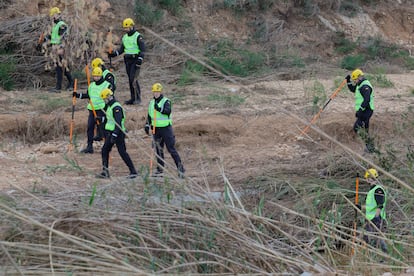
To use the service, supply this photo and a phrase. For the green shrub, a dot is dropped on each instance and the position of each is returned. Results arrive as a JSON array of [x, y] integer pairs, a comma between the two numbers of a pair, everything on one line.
[[172, 6], [48, 103], [240, 7], [235, 61], [191, 73], [287, 60], [223, 100], [349, 8], [318, 94], [376, 48], [7, 68], [343, 45], [147, 14], [380, 80], [409, 63], [352, 62]]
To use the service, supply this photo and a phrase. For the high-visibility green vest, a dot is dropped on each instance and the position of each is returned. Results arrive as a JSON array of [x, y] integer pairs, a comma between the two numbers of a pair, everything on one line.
[[55, 37], [359, 99], [161, 120], [94, 92], [106, 72], [130, 44], [110, 120], [371, 204]]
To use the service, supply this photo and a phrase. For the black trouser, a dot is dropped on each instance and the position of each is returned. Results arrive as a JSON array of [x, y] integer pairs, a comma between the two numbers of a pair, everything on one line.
[[363, 120], [59, 74], [91, 125], [361, 126], [132, 70], [120, 144], [165, 135], [375, 239]]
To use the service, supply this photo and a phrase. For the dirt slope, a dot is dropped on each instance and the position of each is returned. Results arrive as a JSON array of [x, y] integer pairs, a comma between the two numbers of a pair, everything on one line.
[[254, 139]]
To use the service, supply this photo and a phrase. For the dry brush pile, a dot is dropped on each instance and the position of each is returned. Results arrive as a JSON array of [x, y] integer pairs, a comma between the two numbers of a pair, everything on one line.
[[20, 35], [171, 226]]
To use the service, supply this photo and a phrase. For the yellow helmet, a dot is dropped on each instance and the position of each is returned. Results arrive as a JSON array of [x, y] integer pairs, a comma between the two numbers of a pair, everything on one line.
[[97, 72], [54, 11], [106, 93], [128, 22], [356, 74], [97, 62], [371, 173], [157, 87]]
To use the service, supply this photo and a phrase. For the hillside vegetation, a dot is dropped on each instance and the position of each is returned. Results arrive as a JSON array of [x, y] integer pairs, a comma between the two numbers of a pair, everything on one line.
[[245, 77]]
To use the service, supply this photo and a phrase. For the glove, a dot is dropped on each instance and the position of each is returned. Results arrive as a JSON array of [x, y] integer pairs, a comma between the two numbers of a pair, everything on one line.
[[348, 78], [113, 138], [100, 120], [39, 47], [358, 113], [156, 107], [147, 128], [112, 54], [139, 61], [358, 206], [76, 95]]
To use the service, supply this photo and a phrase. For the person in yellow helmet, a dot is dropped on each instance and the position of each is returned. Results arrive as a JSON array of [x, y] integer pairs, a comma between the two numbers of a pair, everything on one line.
[[375, 204], [107, 74], [57, 39], [114, 134], [364, 105], [133, 47], [160, 123], [96, 105]]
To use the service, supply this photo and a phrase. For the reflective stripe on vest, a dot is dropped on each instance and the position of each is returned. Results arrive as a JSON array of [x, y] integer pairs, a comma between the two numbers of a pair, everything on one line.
[[161, 120], [371, 204], [131, 44], [358, 96], [110, 120], [94, 92], [55, 37]]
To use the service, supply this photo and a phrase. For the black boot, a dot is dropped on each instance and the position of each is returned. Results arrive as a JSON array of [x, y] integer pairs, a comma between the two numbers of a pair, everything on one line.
[[70, 87], [158, 172], [55, 90], [138, 90], [129, 102], [99, 132], [88, 149], [104, 174], [181, 170]]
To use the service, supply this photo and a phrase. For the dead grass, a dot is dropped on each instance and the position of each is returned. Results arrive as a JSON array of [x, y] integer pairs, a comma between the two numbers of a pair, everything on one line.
[[145, 226]]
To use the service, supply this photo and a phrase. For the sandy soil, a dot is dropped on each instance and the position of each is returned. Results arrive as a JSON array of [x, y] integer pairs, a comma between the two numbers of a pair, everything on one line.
[[255, 138]]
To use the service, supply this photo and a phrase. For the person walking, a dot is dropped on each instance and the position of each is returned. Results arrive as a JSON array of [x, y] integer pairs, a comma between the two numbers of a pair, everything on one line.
[[114, 134], [96, 105], [159, 117], [57, 39], [375, 204], [364, 105], [134, 48], [109, 77], [106, 74]]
